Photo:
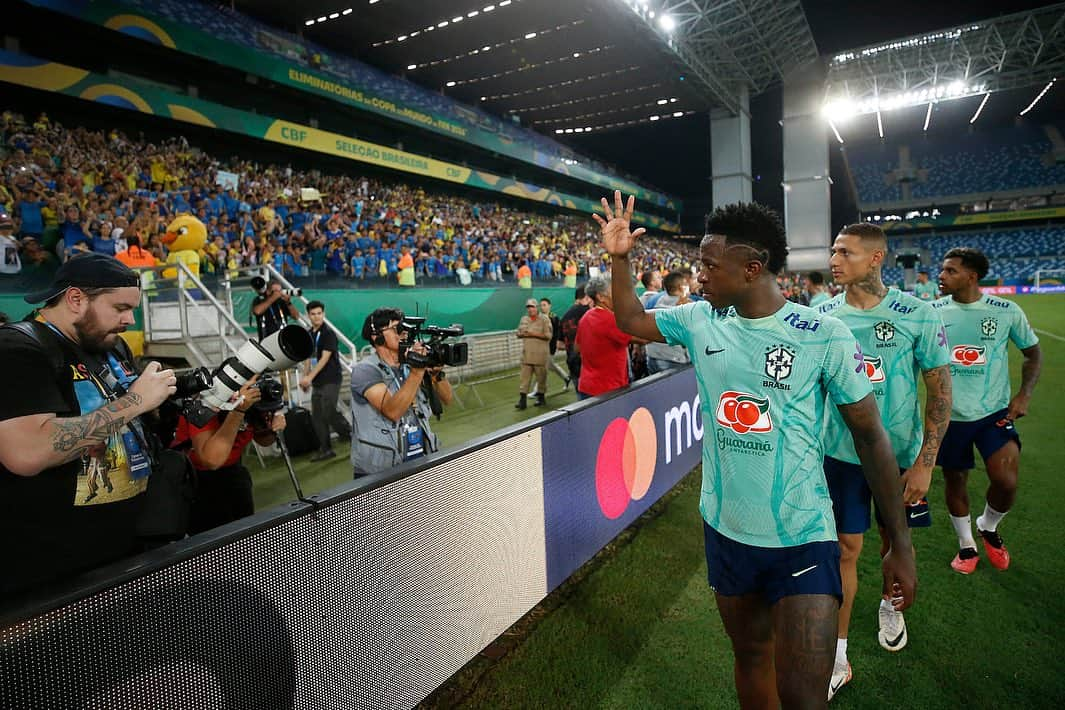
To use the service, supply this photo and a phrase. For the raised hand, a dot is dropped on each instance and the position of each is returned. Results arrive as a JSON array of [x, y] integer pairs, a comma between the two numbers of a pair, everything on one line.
[[617, 239]]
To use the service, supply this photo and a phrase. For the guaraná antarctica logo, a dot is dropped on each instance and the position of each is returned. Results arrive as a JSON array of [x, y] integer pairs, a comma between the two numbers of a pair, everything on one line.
[[744, 412], [625, 463], [968, 355]]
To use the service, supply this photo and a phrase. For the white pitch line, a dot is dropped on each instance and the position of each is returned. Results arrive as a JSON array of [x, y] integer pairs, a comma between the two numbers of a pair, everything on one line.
[[1049, 335]]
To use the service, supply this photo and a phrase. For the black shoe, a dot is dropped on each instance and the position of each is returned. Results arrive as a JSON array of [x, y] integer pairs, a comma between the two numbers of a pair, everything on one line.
[[568, 381], [323, 455], [522, 402], [540, 401]]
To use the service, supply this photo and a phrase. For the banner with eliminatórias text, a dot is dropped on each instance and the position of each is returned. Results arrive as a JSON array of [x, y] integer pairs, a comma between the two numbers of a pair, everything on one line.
[[127, 93], [606, 465], [242, 43]]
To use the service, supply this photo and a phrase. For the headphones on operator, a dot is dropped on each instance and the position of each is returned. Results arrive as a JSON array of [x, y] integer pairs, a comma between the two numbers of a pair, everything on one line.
[[373, 327]]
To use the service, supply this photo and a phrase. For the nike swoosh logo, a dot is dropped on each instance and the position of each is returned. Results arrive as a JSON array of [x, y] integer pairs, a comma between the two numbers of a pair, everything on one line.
[[713, 352], [895, 642], [803, 571], [917, 515], [837, 686]]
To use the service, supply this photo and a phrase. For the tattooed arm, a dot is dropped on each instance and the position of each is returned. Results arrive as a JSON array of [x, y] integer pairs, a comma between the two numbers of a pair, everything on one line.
[[937, 408], [35, 442], [30, 444]]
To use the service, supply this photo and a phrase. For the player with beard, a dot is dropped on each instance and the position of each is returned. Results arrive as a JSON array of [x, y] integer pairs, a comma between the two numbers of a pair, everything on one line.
[[980, 329], [65, 429], [766, 370], [900, 336]]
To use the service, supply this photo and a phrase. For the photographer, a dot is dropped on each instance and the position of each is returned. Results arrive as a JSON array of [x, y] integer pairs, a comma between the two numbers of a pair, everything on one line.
[[224, 490], [272, 308], [73, 463], [390, 401]]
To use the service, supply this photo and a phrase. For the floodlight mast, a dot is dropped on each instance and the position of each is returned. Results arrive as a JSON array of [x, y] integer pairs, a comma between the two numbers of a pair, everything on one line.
[[1013, 51]]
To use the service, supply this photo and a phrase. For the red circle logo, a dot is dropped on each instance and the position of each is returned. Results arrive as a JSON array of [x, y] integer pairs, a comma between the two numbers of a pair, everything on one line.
[[625, 463]]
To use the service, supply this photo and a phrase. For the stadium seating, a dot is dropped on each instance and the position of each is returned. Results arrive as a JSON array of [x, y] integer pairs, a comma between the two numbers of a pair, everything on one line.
[[1015, 254], [358, 230], [235, 28], [1011, 158]]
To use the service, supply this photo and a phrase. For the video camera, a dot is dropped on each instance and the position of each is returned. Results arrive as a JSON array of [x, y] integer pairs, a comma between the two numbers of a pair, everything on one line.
[[439, 353], [259, 284], [203, 393]]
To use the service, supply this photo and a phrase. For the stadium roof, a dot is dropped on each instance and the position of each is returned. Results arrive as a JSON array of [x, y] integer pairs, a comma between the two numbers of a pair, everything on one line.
[[560, 65]]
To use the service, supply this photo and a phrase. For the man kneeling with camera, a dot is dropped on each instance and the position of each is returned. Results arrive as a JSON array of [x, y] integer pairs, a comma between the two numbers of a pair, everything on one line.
[[224, 489], [393, 392]]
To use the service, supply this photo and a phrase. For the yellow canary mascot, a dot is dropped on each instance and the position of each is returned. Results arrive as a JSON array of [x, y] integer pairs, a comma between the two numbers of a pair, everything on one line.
[[184, 237]]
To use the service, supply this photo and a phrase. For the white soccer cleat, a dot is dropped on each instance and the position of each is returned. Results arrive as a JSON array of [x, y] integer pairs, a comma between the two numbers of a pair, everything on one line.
[[892, 634], [841, 675]]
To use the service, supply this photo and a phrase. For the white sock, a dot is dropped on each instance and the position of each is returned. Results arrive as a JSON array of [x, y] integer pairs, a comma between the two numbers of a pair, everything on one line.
[[963, 527], [990, 519], [841, 652]]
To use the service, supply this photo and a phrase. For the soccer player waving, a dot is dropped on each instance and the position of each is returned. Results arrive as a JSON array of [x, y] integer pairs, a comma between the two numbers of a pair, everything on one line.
[[766, 370], [979, 328], [900, 336]]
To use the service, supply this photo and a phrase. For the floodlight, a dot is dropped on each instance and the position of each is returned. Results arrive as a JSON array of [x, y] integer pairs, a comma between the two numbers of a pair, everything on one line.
[[530, 35], [655, 118], [334, 16], [979, 108], [450, 83], [1041, 94], [678, 114], [412, 66], [667, 23], [347, 12], [663, 101], [309, 22]]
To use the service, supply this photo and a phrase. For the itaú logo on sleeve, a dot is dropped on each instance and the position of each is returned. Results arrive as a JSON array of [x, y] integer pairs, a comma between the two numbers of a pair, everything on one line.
[[744, 413], [968, 355]]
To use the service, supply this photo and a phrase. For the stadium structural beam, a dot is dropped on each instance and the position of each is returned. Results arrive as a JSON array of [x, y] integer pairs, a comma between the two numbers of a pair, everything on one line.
[[733, 48], [1008, 52], [730, 154]]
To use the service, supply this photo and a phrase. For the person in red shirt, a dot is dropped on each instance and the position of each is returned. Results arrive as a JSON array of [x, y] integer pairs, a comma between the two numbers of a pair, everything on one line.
[[603, 348], [224, 490]]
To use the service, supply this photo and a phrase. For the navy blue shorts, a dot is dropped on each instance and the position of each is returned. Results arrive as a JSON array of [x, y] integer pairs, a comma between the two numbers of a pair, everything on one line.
[[989, 434], [735, 569], [852, 501]]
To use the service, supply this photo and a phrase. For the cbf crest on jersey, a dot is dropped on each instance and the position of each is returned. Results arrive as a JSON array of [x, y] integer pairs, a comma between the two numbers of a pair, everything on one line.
[[778, 362], [884, 331], [989, 326]]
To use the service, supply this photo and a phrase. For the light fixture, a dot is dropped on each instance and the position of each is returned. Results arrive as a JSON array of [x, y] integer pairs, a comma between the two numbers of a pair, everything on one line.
[[979, 109], [927, 116], [412, 66], [655, 118], [309, 22], [450, 83], [879, 124], [662, 102], [530, 35], [346, 12], [667, 23], [1041, 94], [677, 114], [833, 125]]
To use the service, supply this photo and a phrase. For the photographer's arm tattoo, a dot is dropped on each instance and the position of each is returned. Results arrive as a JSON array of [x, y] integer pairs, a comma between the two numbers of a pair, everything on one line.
[[73, 436]]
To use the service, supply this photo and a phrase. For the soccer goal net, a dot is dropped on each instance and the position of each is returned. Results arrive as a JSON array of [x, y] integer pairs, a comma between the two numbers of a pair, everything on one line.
[[1045, 277]]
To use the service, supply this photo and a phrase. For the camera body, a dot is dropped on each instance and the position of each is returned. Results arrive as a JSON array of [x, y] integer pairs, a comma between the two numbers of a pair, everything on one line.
[[271, 399], [439, 353], [259, 284]]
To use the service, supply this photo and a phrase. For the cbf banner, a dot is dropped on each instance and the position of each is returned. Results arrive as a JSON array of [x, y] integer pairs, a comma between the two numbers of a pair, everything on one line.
[[607, 464]]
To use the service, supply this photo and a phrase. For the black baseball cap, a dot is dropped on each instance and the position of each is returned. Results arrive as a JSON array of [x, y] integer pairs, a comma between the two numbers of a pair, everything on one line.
[[87, 271]]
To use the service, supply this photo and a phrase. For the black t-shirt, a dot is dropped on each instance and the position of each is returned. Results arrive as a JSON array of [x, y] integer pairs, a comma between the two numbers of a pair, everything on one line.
[[272, 319], [326, 339], [568, 324], [77, 516]]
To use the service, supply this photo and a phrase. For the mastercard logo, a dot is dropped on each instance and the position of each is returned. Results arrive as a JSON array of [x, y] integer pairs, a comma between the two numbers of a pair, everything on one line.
[[625, 463]]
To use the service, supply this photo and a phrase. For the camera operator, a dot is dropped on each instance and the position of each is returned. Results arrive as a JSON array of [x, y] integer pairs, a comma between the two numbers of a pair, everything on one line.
[[224, 490], [272, 309], [390, 401], [73, 458]]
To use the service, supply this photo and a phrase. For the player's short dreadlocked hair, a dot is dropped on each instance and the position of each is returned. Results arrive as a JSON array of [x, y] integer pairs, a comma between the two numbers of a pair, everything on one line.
[[755, 225]]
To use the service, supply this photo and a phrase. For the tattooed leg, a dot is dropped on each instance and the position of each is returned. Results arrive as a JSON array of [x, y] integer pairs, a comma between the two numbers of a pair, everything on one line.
[[805, 630]]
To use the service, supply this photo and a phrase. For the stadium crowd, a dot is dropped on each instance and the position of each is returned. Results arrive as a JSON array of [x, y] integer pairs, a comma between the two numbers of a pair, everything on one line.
[[73, 189]]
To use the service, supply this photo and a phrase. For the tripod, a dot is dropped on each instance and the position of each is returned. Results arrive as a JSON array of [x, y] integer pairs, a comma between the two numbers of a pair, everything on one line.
[[283, 448]]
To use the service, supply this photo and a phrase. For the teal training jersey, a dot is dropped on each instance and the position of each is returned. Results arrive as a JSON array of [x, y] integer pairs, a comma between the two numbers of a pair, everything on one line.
[[818, 298], [979, 363], [763, 386], [925, 291], [900, 337]]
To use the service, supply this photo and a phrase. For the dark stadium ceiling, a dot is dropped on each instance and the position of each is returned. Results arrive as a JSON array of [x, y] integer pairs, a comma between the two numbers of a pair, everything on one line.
[[558, 65]]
